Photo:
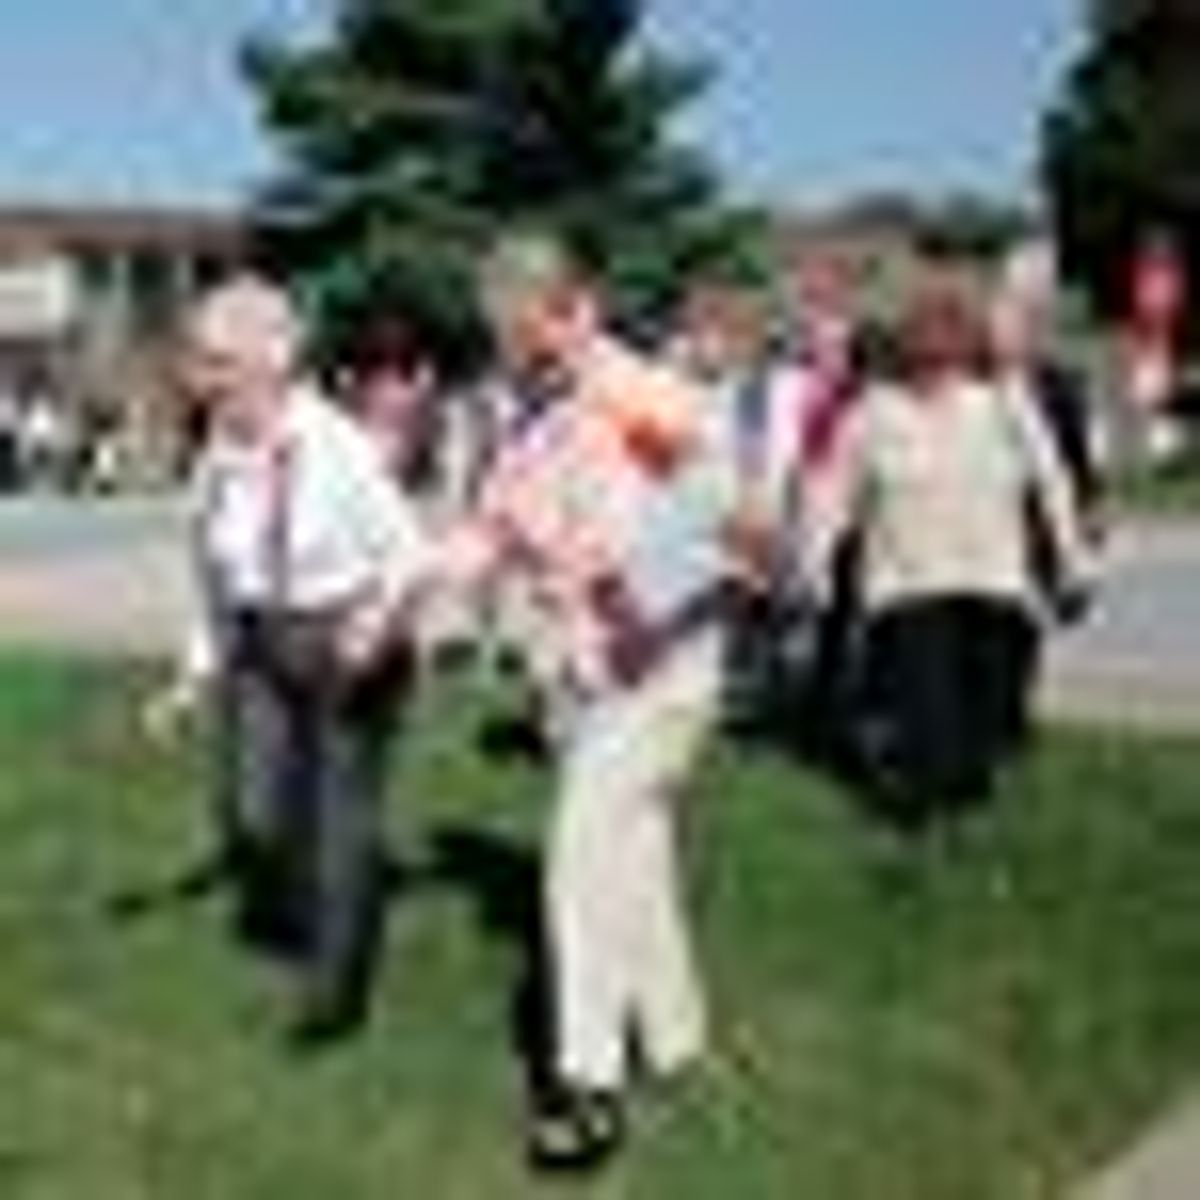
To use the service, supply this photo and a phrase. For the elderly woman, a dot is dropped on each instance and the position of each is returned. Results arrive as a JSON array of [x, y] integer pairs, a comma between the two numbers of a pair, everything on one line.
[[938, 471], [1024, 313], [304, 550], [388, 377]]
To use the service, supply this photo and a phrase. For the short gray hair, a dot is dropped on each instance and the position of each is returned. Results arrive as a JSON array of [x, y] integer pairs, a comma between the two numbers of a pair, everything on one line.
[[524, 266], [249, 312]]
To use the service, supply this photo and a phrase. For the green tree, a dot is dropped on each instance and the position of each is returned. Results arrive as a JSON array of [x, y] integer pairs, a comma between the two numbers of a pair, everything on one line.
[[1121, 146], [970, 226], [420, 127]]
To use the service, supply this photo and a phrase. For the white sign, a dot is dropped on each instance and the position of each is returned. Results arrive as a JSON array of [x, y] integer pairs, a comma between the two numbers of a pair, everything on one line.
[[37, 297]]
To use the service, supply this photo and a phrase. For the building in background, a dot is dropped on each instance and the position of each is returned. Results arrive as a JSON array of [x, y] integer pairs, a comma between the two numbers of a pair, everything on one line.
[[885, 242], [877, 246], [89, 298]]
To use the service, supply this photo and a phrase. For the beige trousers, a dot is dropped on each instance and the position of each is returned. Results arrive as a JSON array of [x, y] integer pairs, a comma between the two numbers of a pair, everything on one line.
[[620, 955]]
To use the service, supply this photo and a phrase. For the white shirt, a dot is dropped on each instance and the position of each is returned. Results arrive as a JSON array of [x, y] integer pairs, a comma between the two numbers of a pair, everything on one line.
[[941, 485], [789, 388], [326, 529], [44, 429]]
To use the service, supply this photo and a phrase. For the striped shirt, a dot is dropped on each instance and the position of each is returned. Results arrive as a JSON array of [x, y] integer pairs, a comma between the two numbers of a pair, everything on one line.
[[587, 494]]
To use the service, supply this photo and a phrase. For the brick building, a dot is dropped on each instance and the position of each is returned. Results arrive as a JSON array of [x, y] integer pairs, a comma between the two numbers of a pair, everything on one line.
[[88, 300]]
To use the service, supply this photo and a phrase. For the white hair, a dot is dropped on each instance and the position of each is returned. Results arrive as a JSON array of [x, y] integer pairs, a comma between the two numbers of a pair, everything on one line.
[[524, 266], [1030, 272], [249, 315]]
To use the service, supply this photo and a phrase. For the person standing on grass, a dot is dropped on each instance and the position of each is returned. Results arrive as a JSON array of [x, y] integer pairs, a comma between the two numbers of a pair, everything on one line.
[[1023, 312], [389, 377], [1024, 315], [819, 384], [939, 468], [573, 503], [304, 551], [721, 342]]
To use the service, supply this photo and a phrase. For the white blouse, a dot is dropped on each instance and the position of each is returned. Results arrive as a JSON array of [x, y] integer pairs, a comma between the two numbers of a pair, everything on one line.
[[940, 486]]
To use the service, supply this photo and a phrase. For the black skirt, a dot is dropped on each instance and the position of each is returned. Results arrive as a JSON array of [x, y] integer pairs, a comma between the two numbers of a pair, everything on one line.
[[947, 682]]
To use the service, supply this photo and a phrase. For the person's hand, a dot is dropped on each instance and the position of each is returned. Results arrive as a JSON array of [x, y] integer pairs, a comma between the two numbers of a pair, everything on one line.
[[630, 644], [1072, 600], [167, 710], [1071, 603], [363, 637], [469, 557], [751, 544]]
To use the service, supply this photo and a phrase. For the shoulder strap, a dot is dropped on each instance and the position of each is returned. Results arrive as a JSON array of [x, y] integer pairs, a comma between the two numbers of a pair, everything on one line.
[[276, 549]]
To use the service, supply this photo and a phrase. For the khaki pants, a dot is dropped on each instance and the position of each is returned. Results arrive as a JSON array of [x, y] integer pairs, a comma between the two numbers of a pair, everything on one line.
[[620, 955]]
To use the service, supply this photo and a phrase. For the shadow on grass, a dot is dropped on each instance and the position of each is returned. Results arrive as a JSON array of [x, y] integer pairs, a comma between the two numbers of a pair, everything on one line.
[[502, 879], [261, 924], [193, 883], [498, 876]]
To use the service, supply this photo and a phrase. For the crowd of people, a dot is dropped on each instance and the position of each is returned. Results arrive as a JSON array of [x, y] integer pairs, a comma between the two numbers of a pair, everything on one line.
[[44, 447], [880, 520]]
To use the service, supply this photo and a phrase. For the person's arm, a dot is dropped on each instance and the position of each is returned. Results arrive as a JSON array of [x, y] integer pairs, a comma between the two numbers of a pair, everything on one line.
[[199, 655], [1070, 399], [834, 501], [389, 534], [1053, 493], [491, 535], [393, 535]]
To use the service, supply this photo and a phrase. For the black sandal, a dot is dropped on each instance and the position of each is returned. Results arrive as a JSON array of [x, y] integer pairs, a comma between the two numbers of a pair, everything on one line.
[[576, 1132]]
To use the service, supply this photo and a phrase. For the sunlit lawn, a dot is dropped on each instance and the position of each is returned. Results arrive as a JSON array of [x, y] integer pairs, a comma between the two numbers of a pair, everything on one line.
[[990, 1033], [1168, 491]]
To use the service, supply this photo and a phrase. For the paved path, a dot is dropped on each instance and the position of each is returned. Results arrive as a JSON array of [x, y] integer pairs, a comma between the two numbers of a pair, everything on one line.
[[1136, 661], [1166, 1166], [109, 577], [105, 577]]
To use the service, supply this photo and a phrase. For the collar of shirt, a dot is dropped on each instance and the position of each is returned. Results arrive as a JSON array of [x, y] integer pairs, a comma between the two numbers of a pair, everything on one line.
[[299, 411]]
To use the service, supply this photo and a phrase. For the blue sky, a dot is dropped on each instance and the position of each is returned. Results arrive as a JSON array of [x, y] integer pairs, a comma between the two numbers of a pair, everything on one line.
[[137, 99]]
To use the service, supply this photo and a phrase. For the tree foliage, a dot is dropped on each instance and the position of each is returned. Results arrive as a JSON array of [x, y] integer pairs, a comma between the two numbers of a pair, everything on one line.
[[420, 127], [1121, 146]]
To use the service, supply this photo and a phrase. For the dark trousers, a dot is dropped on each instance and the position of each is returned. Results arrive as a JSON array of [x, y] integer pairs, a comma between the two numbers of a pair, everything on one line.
[[948, 684], [302, 769]]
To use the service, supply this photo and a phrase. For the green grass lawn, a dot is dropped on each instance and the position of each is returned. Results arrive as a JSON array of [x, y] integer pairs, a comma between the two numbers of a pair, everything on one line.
[[1172, 491], [991, 1033]]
